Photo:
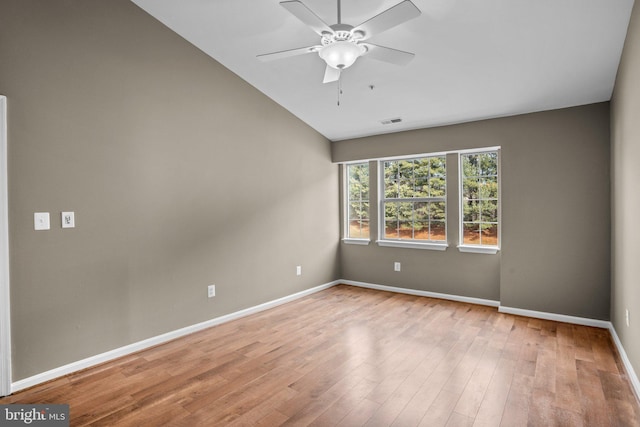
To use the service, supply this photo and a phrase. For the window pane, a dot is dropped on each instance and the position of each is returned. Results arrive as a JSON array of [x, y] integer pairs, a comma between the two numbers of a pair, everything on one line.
[[489, 234], [365, 210], [479, 198], [421, 187], [471, 233], [471, 211], [358, 200], [390, 211], [421, 171], [359, 229], [408, 179], [358, 181], [405, 170], [405, 212], [469, 165], [354, 208], [489, 211], [438, 230], [488, 164], [406, 229], [421, 212], [470, 189], [437, 186], [391, 229], [437, 211], [421, 230], [488, 188], [391, 179], [438, 166]]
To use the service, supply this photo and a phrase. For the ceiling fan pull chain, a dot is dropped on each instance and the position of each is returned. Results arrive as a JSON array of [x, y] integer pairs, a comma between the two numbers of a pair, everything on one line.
[[339, 88]]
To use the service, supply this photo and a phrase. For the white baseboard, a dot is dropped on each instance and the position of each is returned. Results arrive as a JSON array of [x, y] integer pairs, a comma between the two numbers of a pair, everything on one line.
[[150, 342], [555, 317], [603, 324], [159, 339], [631, 373], [449, 297]]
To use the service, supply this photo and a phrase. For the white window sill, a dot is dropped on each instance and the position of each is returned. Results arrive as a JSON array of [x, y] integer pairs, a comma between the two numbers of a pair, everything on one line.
[[491, 250], [352, 241], [415, 245]]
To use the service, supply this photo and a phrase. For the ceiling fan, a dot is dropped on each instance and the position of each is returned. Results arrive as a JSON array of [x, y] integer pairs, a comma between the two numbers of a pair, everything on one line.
[[341, 44]]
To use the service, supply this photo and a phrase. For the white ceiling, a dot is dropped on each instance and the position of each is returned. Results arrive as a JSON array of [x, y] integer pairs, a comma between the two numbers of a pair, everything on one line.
[[474, 59]]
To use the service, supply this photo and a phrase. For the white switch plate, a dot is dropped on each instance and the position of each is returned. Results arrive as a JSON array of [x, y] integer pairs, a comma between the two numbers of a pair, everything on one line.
[[396, 266], [68, 219], [41, 221], [211, 291], [299, 270]]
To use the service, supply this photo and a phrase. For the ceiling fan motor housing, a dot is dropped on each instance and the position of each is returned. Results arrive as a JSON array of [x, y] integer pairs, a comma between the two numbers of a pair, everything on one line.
[[340, 49]]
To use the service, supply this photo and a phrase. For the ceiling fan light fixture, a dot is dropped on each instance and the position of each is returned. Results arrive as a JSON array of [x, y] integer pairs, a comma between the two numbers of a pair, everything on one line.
[[341, 54]]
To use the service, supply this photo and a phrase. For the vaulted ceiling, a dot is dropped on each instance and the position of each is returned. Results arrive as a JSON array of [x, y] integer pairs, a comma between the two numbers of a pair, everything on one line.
[[473, 59]]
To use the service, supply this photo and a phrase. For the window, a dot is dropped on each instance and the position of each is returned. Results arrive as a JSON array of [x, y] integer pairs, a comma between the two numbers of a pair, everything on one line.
[[413, 200], [480, 199], [357, 226]]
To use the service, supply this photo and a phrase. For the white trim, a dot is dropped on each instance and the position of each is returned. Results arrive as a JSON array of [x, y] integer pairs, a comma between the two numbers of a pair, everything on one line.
[[5, 309], [461, 246], [352, 241], [631, 373], [345, 205], [458, 298], [411, 156], [555, 317], [159, 339], [478, 150], [492, 250], [413, 244]]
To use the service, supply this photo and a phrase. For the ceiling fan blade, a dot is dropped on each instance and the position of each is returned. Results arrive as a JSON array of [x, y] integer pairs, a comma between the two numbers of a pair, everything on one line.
[[306, 15], [331, 75], [387, 54], [391, 17], [288, 53]]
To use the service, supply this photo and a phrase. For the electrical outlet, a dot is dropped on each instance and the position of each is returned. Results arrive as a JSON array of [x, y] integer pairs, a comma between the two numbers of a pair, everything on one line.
[[396, 266], [299, 270], [211, 291], [626, 315]]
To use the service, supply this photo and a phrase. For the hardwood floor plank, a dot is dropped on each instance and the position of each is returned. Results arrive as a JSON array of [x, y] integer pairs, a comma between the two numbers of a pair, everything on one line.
[[495, 398], [351, 356], [516, 411], [339, 409], [440, 410]]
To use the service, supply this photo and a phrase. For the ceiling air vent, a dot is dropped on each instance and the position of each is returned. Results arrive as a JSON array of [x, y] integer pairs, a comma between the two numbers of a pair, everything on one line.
[[390, 121]]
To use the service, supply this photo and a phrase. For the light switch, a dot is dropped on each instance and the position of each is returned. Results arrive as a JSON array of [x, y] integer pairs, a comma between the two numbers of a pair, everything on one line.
[[68, 219], [41, 221]]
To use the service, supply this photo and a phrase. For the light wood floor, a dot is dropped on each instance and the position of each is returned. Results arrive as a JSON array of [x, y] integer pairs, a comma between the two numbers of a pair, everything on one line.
[[348, 356]]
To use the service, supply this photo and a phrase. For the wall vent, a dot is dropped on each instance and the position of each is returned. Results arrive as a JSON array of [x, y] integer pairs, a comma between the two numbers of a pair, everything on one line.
[[390, 121]]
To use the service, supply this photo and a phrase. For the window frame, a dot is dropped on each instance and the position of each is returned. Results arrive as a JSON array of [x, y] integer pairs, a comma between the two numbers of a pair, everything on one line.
[[382, 240], [346, 201], [465, 247]]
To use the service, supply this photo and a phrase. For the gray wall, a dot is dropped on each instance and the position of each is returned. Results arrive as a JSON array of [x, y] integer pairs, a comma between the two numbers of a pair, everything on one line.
[[555, 214], [625, 147], [180, 175]]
